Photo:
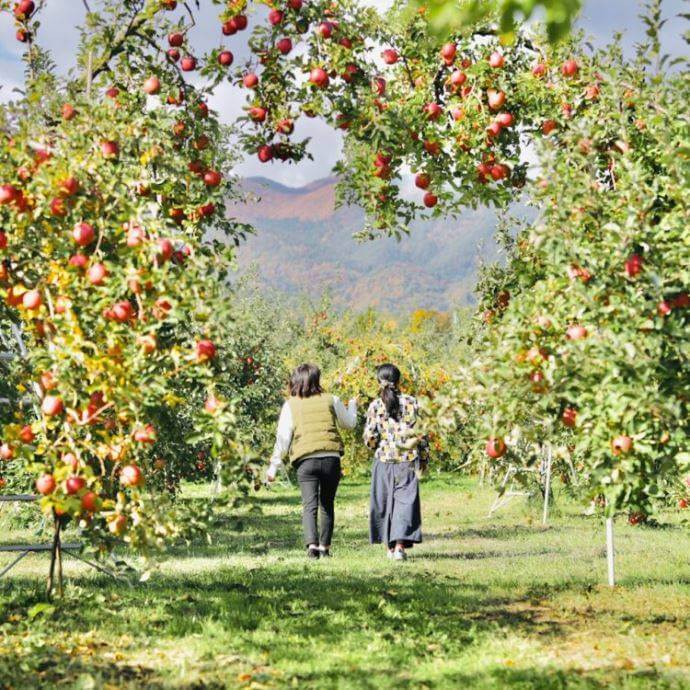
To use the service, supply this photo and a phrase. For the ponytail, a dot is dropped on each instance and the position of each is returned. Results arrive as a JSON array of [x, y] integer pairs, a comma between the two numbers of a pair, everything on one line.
[[388, 376]]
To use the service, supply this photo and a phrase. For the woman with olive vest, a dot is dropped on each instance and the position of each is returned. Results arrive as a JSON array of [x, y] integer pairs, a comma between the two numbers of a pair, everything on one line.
[[308, 431]]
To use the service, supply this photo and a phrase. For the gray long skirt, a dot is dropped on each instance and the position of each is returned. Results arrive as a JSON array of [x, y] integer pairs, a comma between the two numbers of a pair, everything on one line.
[[395, 512]]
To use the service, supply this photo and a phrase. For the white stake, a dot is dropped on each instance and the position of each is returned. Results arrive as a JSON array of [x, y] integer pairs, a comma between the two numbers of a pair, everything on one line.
[[610, 553], [547, 483]]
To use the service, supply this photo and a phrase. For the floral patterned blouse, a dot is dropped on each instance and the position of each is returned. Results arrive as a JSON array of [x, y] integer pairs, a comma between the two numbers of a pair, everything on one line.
[[395, 441]]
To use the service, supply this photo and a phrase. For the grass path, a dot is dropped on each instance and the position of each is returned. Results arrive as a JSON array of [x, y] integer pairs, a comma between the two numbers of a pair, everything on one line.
[[484, 603]]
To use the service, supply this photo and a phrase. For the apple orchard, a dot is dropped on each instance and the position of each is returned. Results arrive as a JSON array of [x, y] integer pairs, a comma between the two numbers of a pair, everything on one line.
[[112, 178]]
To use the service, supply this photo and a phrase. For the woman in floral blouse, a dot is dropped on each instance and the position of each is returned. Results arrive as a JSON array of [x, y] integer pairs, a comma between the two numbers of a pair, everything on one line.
[[395, 517]]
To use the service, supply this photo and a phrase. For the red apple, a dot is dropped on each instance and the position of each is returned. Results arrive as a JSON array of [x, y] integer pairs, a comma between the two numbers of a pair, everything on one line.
[[165, 249], [205, 349], [45, 484], [430, 200], [569, 417], [58, 207], [683, 503], [212, 178], [240, 22], [324, 29], [3, 240], [284, 46], [96, 273], [547, 127], [504, 119], [285, 126], [539, 70], [257, 113], [633, 265], [576, 332], [6, 452], [118, 525], [176, 39], [26, 434], [135, 236], [131, 475], [110, 149], [122, 311], [433, 110], [146, 434], [496, 99], [8, 194], [89, 502], [225, 58], [494, 129], [250, 80], [24, 9], [319, 77], [495, 447], [448, 51], [664, 308], [188, 63], [390, 56], [265, 153], [31, 299], [569, 68], [152, 85], [52, 405], [212, 404], [458, 78], [174, 55], [22, 35], [68, 111], [496, 59], [147, 343], [621, 445], [83, 234], [69, 186], [275, 17], [422, 180], [295, 5], [74, 484]]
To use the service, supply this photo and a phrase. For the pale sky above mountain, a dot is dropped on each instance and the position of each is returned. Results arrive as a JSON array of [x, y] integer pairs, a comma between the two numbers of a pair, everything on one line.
[[600, 19]]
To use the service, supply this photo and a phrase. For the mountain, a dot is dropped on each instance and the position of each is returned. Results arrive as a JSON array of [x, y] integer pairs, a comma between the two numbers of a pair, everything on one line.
[[304, 245]]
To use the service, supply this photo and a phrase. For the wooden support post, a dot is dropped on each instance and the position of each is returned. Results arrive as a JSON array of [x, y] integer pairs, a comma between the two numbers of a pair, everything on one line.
[[547, 483], [53, 555], [610, 552]]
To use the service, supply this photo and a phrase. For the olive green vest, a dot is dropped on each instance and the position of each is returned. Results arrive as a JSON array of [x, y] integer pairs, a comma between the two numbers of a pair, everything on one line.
[[314, 426]]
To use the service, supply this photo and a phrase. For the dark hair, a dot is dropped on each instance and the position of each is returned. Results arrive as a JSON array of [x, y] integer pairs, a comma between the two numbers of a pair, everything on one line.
[[389, 377], [305, 381]]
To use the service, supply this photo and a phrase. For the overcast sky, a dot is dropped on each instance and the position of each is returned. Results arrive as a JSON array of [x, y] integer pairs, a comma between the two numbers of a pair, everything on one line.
[[600, 19]]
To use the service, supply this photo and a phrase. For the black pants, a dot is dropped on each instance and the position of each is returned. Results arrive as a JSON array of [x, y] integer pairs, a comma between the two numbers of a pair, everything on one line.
[[318, 481]]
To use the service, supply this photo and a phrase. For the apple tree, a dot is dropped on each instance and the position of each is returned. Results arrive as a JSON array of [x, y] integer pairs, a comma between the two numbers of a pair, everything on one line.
[[585, 333], [109, 180]]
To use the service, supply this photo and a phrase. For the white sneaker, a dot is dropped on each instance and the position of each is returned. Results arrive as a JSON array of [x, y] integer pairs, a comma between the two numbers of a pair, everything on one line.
[[389, 553], [399, 555]]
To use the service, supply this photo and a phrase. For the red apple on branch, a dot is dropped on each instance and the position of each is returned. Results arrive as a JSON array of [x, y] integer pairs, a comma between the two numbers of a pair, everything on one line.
[[225, 58], [52, 405], [83, 234], [422, 180], [74, 484], [621, 445], [152, 86], [205, 349], [45, 484], [131, 476], [495, 447]]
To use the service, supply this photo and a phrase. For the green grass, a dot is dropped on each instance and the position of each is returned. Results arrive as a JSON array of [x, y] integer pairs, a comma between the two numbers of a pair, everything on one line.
[[483, 603]]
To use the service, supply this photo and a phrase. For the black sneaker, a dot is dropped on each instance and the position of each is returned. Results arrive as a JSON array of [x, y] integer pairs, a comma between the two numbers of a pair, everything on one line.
[[313, 553]]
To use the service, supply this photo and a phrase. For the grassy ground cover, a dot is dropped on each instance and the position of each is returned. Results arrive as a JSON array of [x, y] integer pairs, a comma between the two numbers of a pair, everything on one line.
[[483, 603]]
